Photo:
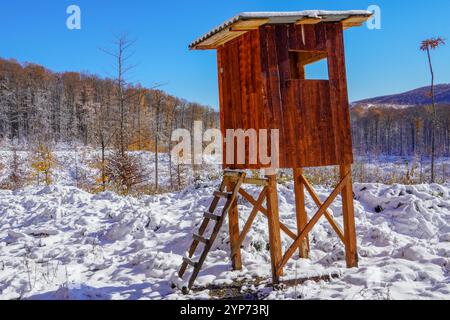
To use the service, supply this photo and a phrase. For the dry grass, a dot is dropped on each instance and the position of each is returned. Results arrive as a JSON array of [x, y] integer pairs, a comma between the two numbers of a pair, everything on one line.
[[406, 172]]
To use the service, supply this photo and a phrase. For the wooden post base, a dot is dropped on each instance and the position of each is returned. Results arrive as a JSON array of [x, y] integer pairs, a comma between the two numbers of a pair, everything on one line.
[[302, 217], [274, 228], [348, 209], [235, 246]]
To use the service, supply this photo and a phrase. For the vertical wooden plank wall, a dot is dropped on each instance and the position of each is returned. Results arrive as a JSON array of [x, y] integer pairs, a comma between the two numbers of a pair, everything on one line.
[[339, 92], [241, 88], [260, 90]]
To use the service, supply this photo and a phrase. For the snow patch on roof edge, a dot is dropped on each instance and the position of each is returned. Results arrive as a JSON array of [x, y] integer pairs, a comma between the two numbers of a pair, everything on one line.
[[270, 14]]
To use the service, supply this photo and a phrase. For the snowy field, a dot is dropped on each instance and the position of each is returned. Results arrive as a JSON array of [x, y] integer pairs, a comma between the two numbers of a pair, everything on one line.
[[62, 243]]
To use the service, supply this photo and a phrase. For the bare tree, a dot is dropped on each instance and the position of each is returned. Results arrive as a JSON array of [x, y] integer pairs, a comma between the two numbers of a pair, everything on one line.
[[157, 100], [428, 45], [102, 128], [170, 126], [17, 176], [122, 55]]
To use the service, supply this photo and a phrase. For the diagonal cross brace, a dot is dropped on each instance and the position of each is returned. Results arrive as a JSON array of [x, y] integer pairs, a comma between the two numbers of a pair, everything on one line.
[[312, 223], [327, 213], [251, 219], [283, 227]]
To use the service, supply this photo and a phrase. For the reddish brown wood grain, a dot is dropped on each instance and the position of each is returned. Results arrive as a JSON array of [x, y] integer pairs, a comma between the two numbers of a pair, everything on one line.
[[260, 90]]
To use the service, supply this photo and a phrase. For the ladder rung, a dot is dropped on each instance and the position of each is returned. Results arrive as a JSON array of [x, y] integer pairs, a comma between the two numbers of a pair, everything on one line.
[[232, 173], [211, 216], [190, 262], [257, 181], [253, 181], [200, 239], [223, 194]]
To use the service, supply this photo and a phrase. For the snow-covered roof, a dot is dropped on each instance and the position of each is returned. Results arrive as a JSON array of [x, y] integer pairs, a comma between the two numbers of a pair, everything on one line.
[[247, 20]]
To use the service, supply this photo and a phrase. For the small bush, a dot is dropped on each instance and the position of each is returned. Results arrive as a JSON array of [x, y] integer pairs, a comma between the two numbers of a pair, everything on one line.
[[43, 162], [123, 172]]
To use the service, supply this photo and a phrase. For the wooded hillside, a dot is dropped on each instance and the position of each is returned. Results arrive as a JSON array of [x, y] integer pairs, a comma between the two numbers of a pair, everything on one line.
[[37, 105], [419, 96], [400, 132]]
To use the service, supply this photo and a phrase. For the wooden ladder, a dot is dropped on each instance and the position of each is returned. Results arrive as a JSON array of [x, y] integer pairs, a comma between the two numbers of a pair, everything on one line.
[[234, 178]]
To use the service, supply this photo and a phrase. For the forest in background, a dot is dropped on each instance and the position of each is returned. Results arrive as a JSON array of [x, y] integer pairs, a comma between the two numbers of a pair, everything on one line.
[[40, 109], [40, 106], [382, 131]]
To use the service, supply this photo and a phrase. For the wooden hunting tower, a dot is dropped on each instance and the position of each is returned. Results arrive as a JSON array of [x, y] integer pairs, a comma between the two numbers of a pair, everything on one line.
[[263, 59]]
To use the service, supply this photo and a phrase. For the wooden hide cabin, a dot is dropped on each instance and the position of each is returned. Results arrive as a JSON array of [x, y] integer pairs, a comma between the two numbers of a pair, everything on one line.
[[263, 84], [263, 59]]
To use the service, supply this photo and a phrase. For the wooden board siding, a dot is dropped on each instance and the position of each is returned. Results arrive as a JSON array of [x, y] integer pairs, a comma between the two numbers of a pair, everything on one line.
[[339, 92], [309, 101], [240, 87], [259, 89]]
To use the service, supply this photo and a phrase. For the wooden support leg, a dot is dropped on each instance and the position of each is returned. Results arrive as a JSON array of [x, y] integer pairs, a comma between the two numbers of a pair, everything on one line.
[[302, 217], [235, 247], [274, 228], [351, 250]]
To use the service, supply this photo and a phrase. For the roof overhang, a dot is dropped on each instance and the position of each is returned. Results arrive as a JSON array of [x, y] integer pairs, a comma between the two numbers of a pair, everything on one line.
[[248, 21]]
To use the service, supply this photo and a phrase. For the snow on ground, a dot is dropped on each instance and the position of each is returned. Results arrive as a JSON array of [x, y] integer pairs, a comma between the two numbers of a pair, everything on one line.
[[62, 243]]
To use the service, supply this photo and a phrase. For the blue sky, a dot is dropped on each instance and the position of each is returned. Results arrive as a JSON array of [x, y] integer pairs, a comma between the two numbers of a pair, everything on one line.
[[378, 61]]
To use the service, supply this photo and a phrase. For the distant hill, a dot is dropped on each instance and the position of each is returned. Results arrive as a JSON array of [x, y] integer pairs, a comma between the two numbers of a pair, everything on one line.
[[415, 97]]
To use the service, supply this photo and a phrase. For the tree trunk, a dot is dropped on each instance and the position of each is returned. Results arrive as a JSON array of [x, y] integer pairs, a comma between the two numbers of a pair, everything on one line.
[[433, 125], [156, 163]]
